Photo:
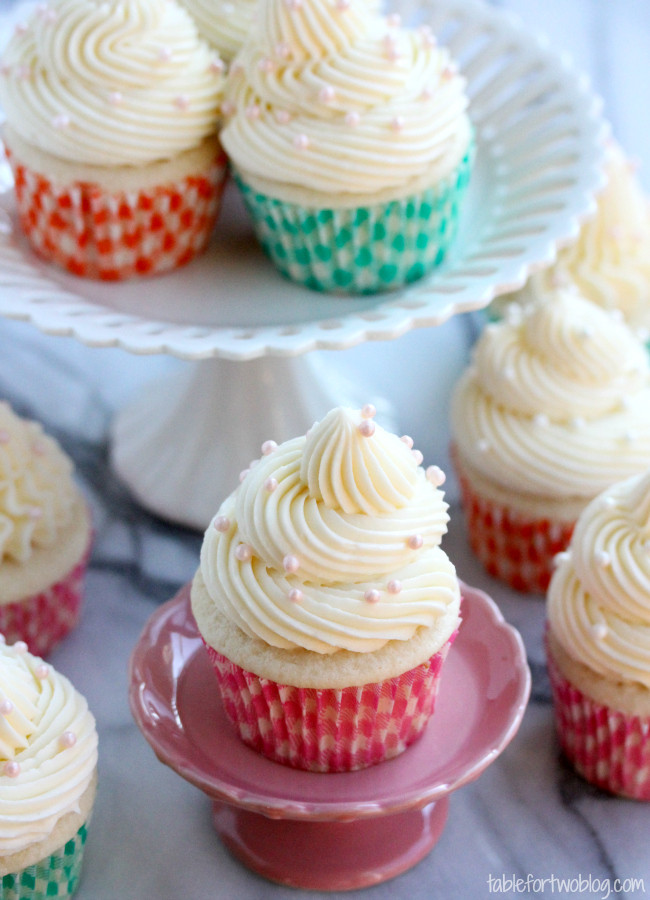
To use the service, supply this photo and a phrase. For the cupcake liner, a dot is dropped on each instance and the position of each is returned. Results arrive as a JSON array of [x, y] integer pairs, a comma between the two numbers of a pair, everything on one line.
[[365, 249], [56, 876], [43, 619], [608, 748], [325, 729], [513, 548], [113, 236]]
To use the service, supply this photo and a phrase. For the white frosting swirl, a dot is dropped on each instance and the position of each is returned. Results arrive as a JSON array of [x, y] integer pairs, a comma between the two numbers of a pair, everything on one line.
[[37, 493], [333, 518], [557, 402], [599, 596], [610, 261], [336, 98], [52, 772], [110, 82], [223, 23]]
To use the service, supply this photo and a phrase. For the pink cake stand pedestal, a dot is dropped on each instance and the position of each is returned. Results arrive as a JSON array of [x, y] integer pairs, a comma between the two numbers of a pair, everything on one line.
[[337, 831]]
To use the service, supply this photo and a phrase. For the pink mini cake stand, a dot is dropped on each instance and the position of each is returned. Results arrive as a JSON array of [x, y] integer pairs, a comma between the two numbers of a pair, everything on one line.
[[333, 831]]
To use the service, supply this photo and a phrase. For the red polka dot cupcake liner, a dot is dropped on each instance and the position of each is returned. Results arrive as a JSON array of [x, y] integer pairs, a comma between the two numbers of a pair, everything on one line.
[[114, 236], [43, 619], [511, 547], [607, 747], [324, 729]]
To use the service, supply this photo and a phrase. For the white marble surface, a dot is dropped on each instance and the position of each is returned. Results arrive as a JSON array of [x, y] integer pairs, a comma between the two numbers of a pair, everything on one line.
[[151, 835]]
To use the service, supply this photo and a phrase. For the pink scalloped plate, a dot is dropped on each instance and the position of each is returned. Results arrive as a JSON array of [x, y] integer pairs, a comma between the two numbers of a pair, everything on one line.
[[332, 831]]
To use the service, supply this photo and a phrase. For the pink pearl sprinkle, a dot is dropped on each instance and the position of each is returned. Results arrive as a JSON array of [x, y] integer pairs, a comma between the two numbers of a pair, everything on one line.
[[283, 50], [61, 121], [405, 439], [243, 552], [6, 708], [283, 116], [115, 98], [217, 65], [23, 72], [227, 108], [291, 563], [68, 739], [266, 65], [296, 595], [436, 475], [415, 541], [253, 112], [11, 769], [417, 456], [397, 123], [326, 94], [222, 524], [294, 4], [372, 596], [20, 647], [271, 484], [5, 437], [394, 20], [268, 447], [394, 586], [352, 119], [164, 54], [342, 5], [35, 513], [366, 428], [21, 28], [368, 411], [301, 142], [42, 671], [243, 474], [182, 101]]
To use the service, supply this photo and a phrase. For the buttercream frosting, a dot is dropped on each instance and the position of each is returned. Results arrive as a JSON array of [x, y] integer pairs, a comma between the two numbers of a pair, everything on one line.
[[336, 97], [48, 748], [610, 261], [556, 402], [223, 23], [37, 491], [111, 82], [599, 596], [331, 542]]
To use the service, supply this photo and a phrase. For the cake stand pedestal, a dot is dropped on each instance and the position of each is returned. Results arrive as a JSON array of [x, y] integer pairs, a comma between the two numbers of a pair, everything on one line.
[[329, 831], [539, 135]]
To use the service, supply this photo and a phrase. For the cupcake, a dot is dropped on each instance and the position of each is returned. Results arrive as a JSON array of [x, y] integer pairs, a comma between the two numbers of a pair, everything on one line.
[[324, 599], [349, 137], [610, 261], [48, 774], [223, 23], [598, 641], [111, 112], [45, 536], [554, 409]]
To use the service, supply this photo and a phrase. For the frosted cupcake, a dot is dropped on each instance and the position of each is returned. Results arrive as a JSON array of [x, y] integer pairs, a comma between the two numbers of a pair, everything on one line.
[[610, 261], [599, 641], [45, 536], [324, 599], [48, 765], [350, 139], [554, 409], [112, 108], [223, 23]]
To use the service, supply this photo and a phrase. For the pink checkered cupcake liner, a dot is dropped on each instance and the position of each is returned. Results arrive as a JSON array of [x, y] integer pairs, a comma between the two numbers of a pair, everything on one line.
[[607, 747], [107, 236], [324, 729], [511, 547], [43, 619]]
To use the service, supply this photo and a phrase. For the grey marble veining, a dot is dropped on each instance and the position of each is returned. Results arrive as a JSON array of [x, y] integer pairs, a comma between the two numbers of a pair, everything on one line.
[[152, 837]]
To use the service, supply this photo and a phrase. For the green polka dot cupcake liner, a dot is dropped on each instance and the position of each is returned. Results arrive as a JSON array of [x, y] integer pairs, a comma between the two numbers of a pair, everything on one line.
[[362, 250], [56, 876]]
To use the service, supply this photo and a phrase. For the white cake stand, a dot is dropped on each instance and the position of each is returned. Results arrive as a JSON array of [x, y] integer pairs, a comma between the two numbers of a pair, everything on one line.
[[180, 445]]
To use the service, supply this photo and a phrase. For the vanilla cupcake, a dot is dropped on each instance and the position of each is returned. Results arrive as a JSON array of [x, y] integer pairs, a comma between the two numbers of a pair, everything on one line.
[[598, 641], [112, 108], [48, 775], [324, 599], [609, 263], [223, 23], [554, 409], [45, 536], [350, 140]]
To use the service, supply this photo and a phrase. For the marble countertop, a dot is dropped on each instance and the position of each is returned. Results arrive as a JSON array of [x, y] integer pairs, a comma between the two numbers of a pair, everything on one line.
[[152, 836]]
